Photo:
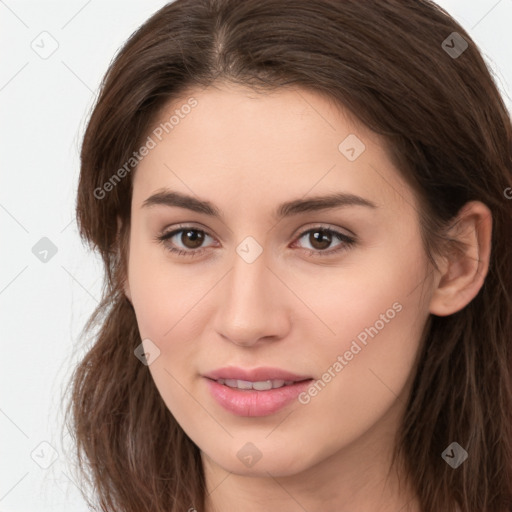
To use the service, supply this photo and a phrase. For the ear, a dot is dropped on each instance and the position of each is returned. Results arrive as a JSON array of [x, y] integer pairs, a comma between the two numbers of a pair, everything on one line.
[[462, 274], [126, 284]]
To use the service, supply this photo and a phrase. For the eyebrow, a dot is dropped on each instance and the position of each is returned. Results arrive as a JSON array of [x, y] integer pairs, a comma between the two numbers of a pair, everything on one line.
[[166, 197]]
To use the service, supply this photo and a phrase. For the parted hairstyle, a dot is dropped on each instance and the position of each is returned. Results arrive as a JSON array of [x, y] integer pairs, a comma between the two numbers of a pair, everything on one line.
[[445, 125]]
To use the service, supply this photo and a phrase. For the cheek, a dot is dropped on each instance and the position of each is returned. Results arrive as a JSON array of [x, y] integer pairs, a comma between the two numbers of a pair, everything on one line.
[[377, 321], [167, 300], [383, 316], [371, 311], [162, 291]]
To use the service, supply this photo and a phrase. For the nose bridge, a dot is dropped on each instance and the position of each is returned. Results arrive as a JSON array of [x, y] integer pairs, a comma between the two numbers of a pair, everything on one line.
[[248, 281], [247, 309]]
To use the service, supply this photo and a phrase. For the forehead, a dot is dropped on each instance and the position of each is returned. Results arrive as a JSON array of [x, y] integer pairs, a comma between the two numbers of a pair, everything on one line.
[[235, 144]]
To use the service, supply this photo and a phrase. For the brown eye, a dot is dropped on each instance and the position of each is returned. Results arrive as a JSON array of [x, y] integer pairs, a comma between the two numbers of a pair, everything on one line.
[[320, 239], [192, 238], [186, 241]]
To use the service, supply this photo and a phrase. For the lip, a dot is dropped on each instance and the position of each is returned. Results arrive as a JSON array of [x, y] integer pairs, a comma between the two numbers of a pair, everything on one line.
[[255, 374], [252, 402]]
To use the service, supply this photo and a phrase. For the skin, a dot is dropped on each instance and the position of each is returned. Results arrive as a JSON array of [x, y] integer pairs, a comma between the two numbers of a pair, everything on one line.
[[247, 153]]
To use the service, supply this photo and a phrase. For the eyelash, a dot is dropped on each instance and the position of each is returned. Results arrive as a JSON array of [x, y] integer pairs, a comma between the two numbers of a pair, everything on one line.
[[347, 241]]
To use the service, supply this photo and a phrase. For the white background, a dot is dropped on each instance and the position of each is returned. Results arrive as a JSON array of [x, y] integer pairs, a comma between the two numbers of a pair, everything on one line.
[[44, 104]]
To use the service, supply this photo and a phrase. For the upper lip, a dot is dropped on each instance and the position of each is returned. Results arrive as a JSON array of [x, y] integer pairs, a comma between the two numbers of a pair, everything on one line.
[[254, 374]]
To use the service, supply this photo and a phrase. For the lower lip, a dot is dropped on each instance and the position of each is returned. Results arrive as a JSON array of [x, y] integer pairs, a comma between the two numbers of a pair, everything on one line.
[[255, 403]]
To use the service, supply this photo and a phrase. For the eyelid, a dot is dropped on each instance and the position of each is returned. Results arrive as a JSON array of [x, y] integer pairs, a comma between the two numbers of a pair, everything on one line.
[[327, 227]]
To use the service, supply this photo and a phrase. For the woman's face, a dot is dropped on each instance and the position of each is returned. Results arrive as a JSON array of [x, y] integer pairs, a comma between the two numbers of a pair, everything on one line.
[[264, 292]]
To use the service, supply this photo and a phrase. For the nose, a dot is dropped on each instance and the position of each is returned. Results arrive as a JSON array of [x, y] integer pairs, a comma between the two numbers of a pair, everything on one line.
[[253, 305]]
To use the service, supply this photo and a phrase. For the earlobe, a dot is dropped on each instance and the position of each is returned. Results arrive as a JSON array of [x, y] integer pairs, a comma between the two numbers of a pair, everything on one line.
[[463, 274]]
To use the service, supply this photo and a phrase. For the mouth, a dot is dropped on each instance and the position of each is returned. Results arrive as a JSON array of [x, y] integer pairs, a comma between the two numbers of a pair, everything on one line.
[[259, 376], [262, 385], [258, 392]]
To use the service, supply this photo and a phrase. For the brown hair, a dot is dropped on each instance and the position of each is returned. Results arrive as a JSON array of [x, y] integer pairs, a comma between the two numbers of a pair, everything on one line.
[[449, 134]]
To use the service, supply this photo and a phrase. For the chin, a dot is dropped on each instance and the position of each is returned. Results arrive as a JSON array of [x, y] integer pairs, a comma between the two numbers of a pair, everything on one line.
[[276, 463]]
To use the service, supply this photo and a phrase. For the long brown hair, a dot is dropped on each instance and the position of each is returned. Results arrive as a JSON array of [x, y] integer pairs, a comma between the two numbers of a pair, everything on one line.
[[449, 134]]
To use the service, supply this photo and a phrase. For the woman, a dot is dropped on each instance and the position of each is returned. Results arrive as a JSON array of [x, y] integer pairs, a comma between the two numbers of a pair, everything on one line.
[[303, 213]]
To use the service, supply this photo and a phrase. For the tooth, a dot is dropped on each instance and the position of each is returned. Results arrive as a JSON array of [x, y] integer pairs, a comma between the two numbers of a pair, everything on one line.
[[244, 384], [263, 385]]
